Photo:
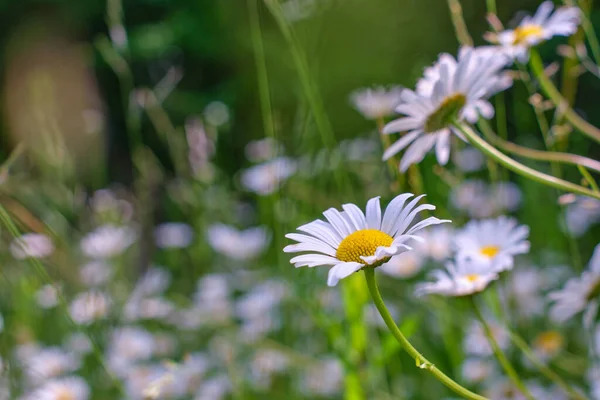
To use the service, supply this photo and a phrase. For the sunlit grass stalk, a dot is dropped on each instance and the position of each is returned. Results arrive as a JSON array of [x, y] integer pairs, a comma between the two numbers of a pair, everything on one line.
[[537, 66], [538, 155], [460, 27], [540, 117], [41, 271], [506, 365], [521, 169], [420, 360], [588, 28], [491, 6], [547, 372], [589, 178]]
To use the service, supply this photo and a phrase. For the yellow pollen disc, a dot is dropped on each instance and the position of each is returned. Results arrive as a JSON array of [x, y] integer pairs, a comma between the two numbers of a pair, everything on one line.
[[489, 251], [362, 243], [522, 33], [64, 394], [549, 341], [448, 109], [472, 277]]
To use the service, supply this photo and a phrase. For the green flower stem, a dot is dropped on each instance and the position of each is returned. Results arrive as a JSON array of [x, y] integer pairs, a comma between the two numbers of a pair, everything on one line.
[[421, 361], [506, 365], [537, 66], [547, 372], [539, 155], [521, 169]]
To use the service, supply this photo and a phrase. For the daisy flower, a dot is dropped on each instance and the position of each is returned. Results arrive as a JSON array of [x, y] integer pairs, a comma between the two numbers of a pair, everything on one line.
[[69, 388], [492, 242], [578, 294], [235, 244], [351, 240], [377, 102], [460, 279], [451, 89], [34, 245], [265, 178], [545, 24]]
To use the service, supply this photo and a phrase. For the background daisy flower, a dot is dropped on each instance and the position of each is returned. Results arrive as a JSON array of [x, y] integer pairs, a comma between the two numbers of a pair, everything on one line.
[[531, 31], [578, 294], [459, 92], [492, 242], [352, 240], [378, 102], [459, 279]]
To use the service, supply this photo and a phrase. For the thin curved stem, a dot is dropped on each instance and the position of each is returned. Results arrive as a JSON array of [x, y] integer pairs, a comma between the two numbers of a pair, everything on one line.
[[547, 372], [521, 169], [506, 365], [421, 361], [552, 92], [540, 155]]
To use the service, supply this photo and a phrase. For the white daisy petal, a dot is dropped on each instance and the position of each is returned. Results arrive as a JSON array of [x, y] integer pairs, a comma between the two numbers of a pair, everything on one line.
[[373, 214], [341, 271]]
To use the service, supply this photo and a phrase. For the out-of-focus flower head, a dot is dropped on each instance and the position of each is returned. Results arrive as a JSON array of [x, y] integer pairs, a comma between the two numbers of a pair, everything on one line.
[[235, 244], [107, 241], [173, 235], [88, 307], [34, 245], [377, 102], [266, 178]]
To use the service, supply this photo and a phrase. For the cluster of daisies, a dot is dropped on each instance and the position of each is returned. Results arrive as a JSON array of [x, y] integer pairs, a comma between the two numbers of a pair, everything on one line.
[[457, 90]]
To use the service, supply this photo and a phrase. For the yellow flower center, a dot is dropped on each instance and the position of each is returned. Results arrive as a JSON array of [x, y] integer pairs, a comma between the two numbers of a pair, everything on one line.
[[448, 109], [549, 341], [472, 277], [362, 243], [65, 394], [489, 251], [522, 33]]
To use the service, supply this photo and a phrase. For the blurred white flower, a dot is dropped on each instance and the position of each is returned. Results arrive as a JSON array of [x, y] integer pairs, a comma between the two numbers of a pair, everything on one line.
[[47, 296], [235, 244], [531, 31], [582, 213], [492, 243], [266, 178], [437, 242], [460, 279], [107, 241], [525, 286], [95, 273], [34, 245], [593, 378], [469, 159], [127, 346], [253, 329], [214, 388], [476, 370], [262, 149], [506, 196], [154, 282], [216, 113], [479, 200], [351, 240], [155, 308], [173, 235], [261, 300], [405, 265], [359, 149], [88, 307], [377, 102], [457, 89], [79, 343], [107, 203], [548, 344], [323, 378], [265, 364], [49, 362], [579, 294], [68, 388], [477, 343]]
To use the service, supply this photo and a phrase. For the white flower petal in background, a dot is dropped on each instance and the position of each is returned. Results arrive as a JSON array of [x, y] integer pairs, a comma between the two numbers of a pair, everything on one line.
[[89, 307], [376, 103], [236, 244], [173, 235], [266, 178], [34, 245], [107, 241]]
